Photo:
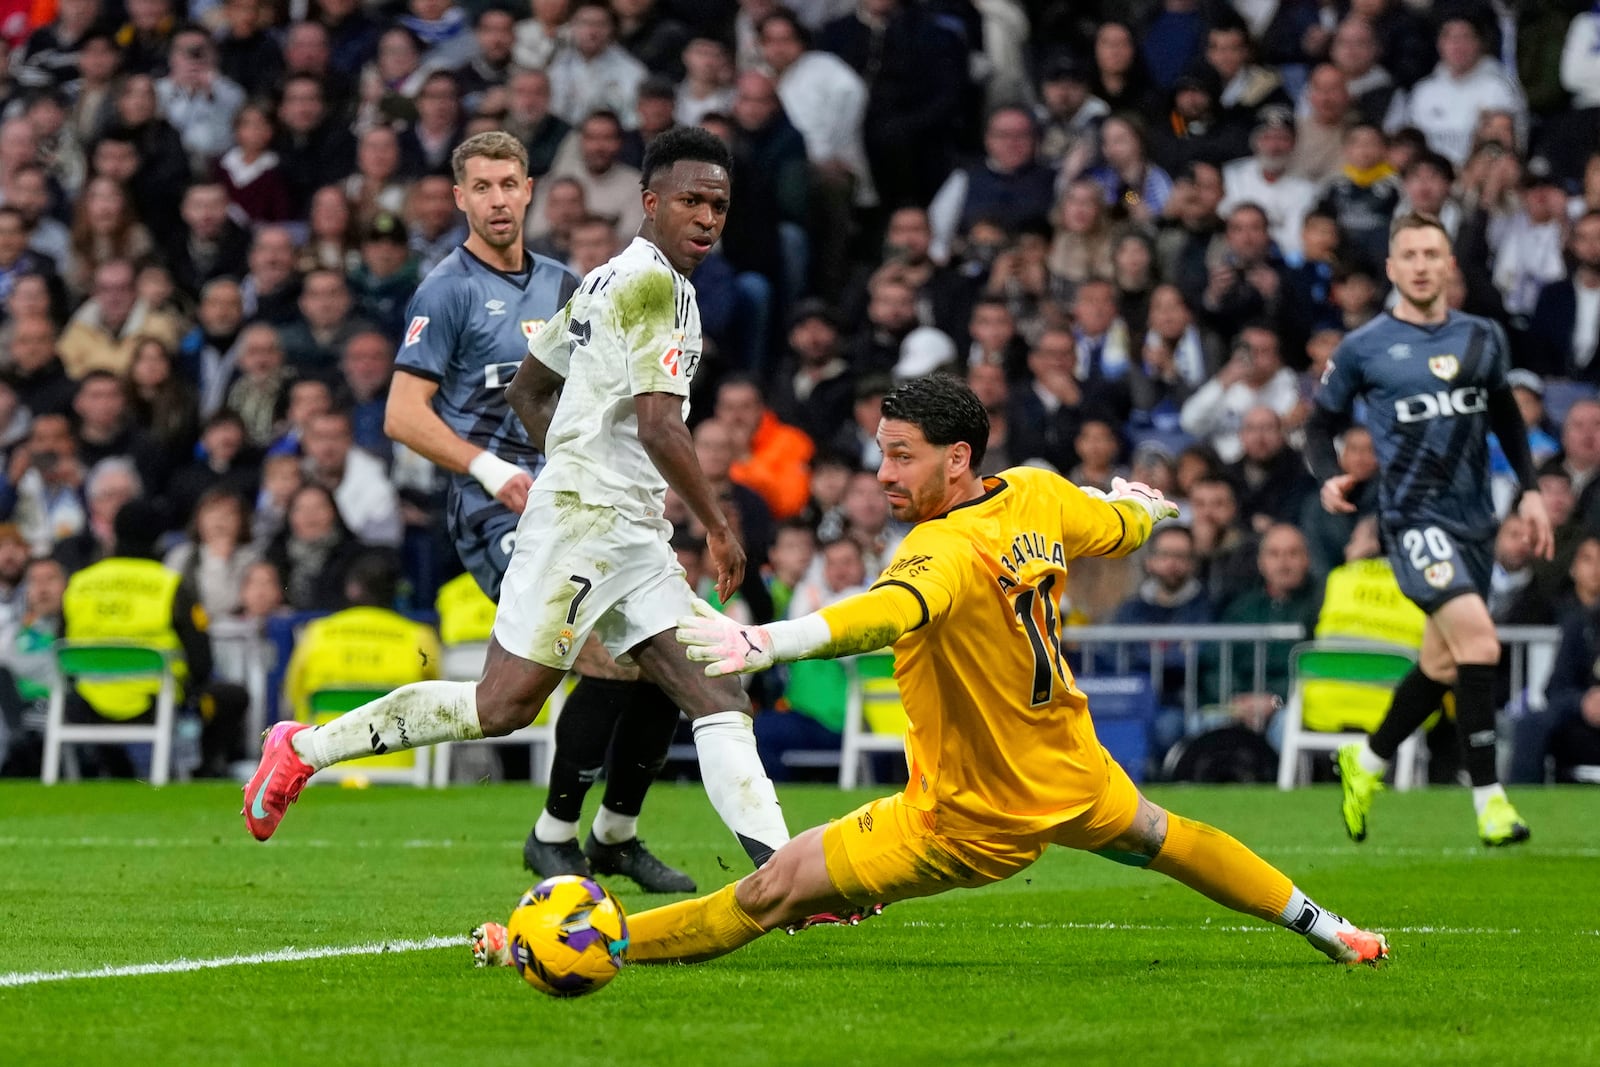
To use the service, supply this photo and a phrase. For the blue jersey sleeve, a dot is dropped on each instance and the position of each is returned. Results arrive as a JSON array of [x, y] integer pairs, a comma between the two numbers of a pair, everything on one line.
[[1498, 364], [1341, 382], [434, 321]]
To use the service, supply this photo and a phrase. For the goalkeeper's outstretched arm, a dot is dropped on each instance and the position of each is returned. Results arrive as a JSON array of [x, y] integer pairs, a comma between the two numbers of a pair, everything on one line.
[[864, 622]]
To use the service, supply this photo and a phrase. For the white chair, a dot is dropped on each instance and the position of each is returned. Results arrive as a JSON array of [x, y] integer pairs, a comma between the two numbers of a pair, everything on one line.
[[871, 694], [407, 767], [110, 662], [1363, 663], [464, 663]]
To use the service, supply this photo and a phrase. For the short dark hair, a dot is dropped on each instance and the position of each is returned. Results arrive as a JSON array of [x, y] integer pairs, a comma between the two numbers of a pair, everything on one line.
[[1416, 220], [372, 580], [683, 144], [787, 16], [945, 410]]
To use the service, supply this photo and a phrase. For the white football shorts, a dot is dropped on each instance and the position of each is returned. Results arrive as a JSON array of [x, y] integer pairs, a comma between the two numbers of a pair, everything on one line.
[[579, 569]]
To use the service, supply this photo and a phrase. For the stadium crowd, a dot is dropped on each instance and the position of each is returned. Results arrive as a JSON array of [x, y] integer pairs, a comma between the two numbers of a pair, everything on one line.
[[1138, 230]]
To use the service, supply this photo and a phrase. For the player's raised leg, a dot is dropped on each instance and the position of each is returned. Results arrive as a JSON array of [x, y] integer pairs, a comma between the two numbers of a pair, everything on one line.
[[1215, 864], [735, 781]]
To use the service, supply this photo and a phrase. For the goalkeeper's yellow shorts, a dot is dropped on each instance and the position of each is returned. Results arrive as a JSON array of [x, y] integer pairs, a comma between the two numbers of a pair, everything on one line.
[[886, 850]]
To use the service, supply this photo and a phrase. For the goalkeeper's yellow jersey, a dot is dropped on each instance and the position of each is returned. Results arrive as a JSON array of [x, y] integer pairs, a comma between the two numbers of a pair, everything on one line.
[[1000, 738]]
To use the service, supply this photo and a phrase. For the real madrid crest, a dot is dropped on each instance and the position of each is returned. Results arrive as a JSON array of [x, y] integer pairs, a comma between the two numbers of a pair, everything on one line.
[[563, 642], [1439, 574], [1446, 366]]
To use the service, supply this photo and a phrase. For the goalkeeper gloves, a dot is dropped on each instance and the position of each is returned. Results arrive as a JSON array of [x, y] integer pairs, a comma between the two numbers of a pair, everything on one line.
[[723, 645], [1150, 499]]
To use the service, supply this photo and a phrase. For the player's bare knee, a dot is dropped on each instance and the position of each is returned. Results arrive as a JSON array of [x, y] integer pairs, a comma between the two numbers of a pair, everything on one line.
[[505, 706], [723, 694]]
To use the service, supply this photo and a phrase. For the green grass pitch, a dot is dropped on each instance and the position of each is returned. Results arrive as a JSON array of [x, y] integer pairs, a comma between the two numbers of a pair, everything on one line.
[[1077, 961]]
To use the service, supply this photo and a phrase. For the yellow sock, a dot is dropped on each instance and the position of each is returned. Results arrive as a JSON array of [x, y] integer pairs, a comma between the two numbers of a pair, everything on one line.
[[1211, 862], [691, 930]]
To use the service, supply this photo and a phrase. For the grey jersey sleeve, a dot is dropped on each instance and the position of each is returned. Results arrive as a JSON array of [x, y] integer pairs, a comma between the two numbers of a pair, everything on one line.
[[433, 327]]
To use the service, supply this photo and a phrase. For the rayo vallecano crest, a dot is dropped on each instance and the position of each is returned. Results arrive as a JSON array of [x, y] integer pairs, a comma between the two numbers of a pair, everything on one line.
[[1445, 367]]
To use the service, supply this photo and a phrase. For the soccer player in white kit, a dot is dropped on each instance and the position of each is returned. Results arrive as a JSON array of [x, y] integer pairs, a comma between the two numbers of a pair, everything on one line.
[[603, 392]]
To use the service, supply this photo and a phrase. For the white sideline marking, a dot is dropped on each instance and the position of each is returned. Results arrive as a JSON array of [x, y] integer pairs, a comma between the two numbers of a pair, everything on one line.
[[1352, 851], [282, 955], [1460, 931]]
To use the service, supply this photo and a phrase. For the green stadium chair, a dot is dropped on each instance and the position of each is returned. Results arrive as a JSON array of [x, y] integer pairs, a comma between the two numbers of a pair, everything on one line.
[[408, 767], [1362, 663], [874, 718], [110, 662], [464, 663]]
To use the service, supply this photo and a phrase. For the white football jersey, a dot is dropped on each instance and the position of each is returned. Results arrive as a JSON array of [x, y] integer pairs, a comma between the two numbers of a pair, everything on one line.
[[633, 327]]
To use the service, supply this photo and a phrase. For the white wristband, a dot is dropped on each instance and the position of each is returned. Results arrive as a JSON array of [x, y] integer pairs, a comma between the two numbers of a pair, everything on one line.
[[492, 472], [800, 638]]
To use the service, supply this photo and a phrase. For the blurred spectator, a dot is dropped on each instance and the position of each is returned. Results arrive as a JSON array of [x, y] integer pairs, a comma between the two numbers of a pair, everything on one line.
[[891, 314], [13, 569], [793, 548], [714, 449], [1046, 411], [1081, 249], [770, 457], [1009, 186], [313, 551], [1354, 54], [1514, 598], [655, 39], [830, 477], [270, 289], [1580, 457], [214, 245], [49, 59], [540, 37], [1122, 77], [368, 642], [1446, 104], [866, 513], [1133, 278], [144, 37], [331, 243], [562, 210], [31, 296], [104, 426], [207, 354], [104, 227], [1327, 533], [352, 34], [1254, 376], [443, 31], [1134, 187], [1169, 595], [249, 171], [16, 258], [314, 149], [261, 594], [108, 487], [1226, 551], [223, 462], [1528, 247], [216, 553], [27, 189], [306, 398], [162, 404], [1272, 481], [433, 222], [1098, 450], [35, 371], [992, 338], [47, 476], [1176, 358], [426, 144], [314, 340], [1247, 87], [593, 242], [281, 477], [1320, 127], [90, 109], [366, 499], [1564, 330], [594, 73], [940, 295], [26, 649], [1285, 593], [489, 65], [1362, 198], [247, 54], [707, 84], [129, 596], [1569, 728], [377, 185], [1197, 129], [197, 99], [366, 367], [814, 387], [103, 330], [909, 127], [1068, 115], [382, 285], [1188, 227], [1264, 180], [529, 118], [262, 383], [591, 157], [1103, 344], [988, 384]]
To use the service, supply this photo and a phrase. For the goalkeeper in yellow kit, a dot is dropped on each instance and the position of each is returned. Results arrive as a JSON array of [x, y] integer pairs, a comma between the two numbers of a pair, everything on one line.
[[1001, 747]]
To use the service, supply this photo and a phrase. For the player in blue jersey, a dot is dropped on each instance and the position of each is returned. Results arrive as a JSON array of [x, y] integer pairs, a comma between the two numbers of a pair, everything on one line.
[[606, 383], [1434, 382], [467, 332]]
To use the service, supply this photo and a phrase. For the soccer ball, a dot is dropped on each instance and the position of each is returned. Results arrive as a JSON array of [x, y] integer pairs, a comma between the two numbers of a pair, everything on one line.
[[567, 936]]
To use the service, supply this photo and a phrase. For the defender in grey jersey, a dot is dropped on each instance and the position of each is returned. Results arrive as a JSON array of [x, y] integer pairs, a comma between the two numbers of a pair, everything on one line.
[[1434, 382], [467, 333]]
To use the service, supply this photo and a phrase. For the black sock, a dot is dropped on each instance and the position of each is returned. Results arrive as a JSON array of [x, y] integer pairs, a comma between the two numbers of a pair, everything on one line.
[[1475, 720], [639, 747], [583, 733], [1415, 698]]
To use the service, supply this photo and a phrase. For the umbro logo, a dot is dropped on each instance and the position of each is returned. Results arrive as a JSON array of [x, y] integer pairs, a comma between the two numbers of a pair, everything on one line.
[[1400, 351], [579, 330], [496, 307]]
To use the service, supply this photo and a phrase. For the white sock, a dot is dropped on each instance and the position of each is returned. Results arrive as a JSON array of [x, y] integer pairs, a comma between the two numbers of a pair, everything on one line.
[[553, 831], [1482, 794], [738, 785], [1319, 925], [613, 829], [1370, 761], [423, 713]]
